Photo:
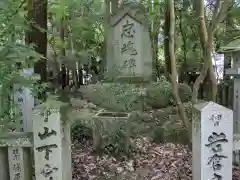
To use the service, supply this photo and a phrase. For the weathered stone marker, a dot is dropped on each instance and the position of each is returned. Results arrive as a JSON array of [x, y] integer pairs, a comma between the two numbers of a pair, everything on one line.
[[25, 100], [16, 166], [49, 147], [15, 161], [212, 132], [128, 43], [235, 72]]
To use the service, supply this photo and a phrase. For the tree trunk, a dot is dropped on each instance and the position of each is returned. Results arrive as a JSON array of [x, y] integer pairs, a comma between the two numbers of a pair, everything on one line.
[[29, 17], [155, 29], [206, 39], [39, 36], [174, 74], [106, 21], [62, 36], [166, 39]]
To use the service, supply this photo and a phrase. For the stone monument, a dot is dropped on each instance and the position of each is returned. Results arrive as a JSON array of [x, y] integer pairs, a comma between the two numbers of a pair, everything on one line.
[[24, 99], [52, 149], [212, 138], [128, 42], [15, 156]]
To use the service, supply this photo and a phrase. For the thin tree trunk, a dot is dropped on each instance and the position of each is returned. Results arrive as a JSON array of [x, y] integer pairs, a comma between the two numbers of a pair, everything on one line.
[[166, 39], [29, 17], [106, 21], [174, 74], [39, 37], [206, 39], [62, 36]]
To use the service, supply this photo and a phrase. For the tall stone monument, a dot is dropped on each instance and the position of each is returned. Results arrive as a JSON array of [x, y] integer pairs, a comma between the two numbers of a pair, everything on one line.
[[128, 43]]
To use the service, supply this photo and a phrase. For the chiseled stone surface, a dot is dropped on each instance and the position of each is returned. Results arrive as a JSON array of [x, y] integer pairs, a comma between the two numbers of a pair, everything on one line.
[[24, 99], [212, 131], [128, 44], [15, 156], [52, 147]]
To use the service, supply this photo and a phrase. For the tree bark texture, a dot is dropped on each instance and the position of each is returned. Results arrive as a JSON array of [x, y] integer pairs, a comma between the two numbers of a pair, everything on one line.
[[206, 38], [39, 35], [62, 36], [174, 73], [166, 38]]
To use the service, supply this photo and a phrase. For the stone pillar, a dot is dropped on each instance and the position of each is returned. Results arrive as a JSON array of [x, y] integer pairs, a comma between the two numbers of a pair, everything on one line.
[[25, 100], [15, 161], [212, 141], [66, 150], [51, 150], [4, 171]]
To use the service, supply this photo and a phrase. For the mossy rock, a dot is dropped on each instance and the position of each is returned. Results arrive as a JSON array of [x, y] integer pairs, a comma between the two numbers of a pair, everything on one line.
[[185, 92], [159, 95], [115, 96]]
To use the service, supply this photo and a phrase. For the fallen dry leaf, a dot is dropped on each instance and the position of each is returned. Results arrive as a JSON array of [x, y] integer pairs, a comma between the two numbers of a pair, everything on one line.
[[157, 162]]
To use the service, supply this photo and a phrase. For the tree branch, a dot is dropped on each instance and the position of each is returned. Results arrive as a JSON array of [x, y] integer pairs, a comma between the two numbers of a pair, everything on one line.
[[202, 24], [220, 13]]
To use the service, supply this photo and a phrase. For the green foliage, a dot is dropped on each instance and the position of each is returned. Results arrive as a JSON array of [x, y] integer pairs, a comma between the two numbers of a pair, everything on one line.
[[81, 132], [174, 135], [118, 142], [159, 95], [185, 92], [115, 96], [12, 51], [83, 20], [115, 140]]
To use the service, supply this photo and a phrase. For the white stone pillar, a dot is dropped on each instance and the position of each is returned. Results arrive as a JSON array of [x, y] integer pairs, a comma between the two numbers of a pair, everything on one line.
[[49, 146], [212, 141]]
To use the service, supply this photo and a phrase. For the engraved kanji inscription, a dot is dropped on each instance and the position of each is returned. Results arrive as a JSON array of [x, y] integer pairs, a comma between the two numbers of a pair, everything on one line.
[[17, 167], [127, 30], [17, 176], [128, 48], [215, 161], [45, 115], [217, 177], [15, 154], [215, 140], [48, 170], [46, 133], [216, 118], [20, 99], [47, 149], [132, 63], [20, 113], [20, 90]]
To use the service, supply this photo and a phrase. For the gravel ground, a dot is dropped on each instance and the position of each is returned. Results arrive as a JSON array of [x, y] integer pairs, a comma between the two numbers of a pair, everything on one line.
[[155, 162]]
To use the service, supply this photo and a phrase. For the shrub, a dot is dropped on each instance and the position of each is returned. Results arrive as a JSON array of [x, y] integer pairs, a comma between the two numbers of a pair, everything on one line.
[[81, 132], [159, 95], [174, 135], [115, 96], [185, 92]]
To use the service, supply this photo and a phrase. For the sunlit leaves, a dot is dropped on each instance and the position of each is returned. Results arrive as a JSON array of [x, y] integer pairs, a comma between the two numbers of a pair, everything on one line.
[[12, 51]]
